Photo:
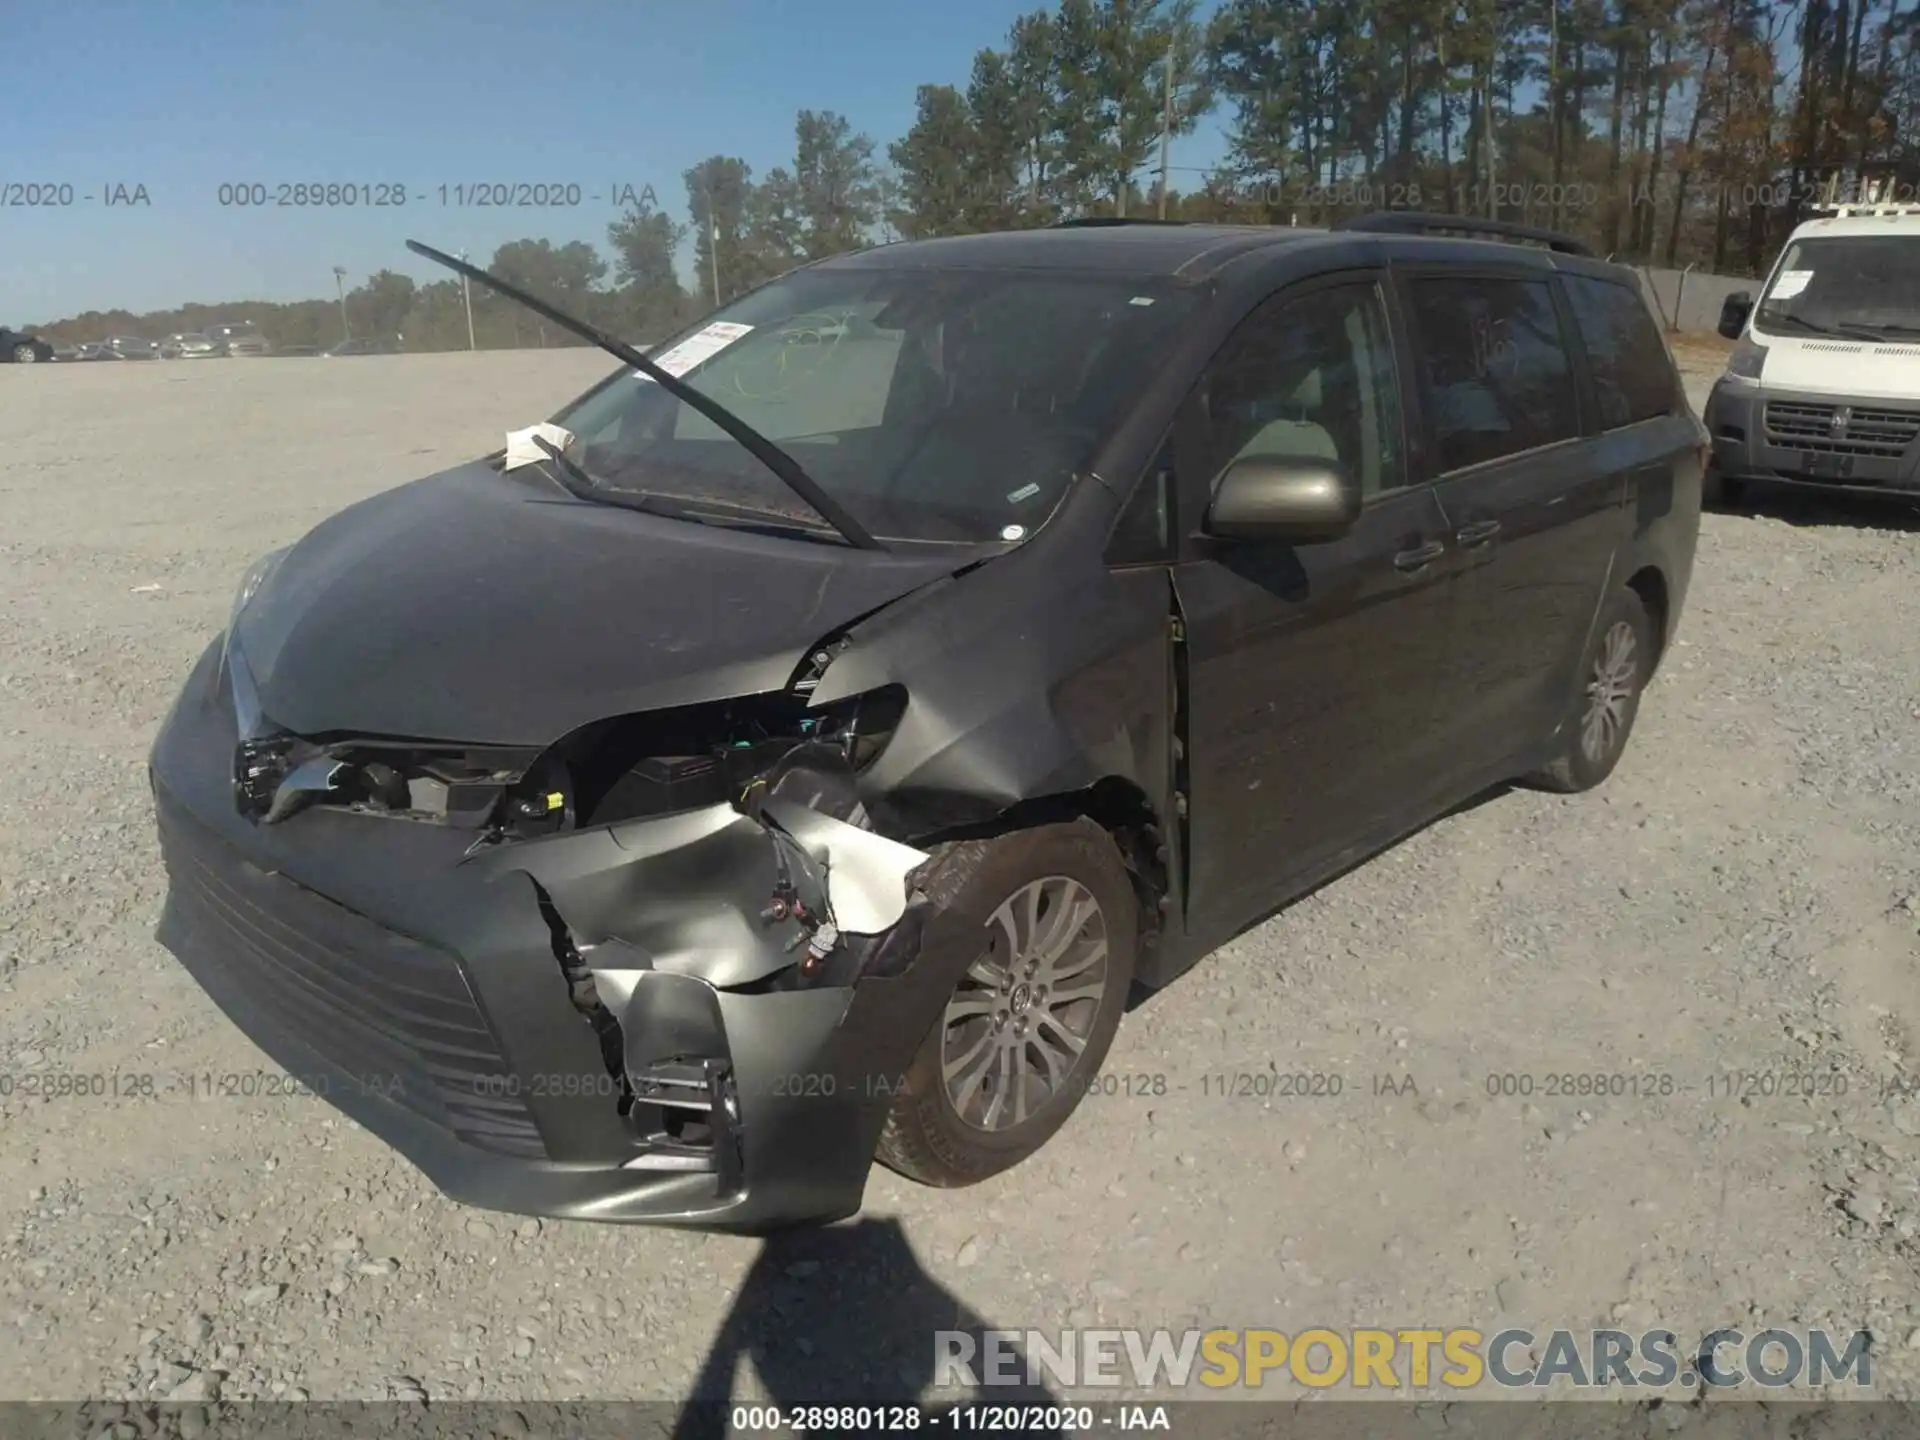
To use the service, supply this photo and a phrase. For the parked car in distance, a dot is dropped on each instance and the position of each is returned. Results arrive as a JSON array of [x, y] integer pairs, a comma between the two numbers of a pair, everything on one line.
[[188, 345], [1823, 389], [238, 338], [17, 347], [132, 347], [66, 354], [361, 345], [1111, 586]]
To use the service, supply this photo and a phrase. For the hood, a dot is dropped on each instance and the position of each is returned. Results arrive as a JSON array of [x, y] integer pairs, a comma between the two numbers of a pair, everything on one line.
[[1856, 369], [485, 608]]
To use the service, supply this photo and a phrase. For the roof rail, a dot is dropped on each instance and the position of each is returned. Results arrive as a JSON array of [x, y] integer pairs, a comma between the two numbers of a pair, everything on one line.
[[1420, 222], [1856, 210], [1099, 222]]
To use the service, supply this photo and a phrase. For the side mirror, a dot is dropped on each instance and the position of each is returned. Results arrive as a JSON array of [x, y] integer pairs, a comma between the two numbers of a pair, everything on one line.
[[1263, 498], [1734, 311]]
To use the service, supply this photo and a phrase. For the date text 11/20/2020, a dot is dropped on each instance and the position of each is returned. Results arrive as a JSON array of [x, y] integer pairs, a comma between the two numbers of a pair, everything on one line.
[[464, 195]]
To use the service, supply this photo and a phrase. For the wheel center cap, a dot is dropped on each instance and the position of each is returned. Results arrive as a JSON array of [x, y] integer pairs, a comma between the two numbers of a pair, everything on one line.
[[1021, 998]]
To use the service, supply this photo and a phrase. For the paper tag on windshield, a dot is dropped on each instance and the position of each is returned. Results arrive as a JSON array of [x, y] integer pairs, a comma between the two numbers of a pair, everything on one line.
[[1790, 284], [703, 344], [522, 451]]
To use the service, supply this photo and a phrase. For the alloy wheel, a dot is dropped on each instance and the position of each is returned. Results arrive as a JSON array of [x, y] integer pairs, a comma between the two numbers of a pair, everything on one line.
[[1610, 691], [1022, 1014]]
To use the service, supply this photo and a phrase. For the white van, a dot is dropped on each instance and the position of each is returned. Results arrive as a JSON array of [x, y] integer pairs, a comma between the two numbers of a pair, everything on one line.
[[1824, 387]]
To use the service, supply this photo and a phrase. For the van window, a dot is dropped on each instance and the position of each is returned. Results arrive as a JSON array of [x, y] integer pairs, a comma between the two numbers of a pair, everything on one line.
[[1310, 377], [1632, 374], [1494, 372]]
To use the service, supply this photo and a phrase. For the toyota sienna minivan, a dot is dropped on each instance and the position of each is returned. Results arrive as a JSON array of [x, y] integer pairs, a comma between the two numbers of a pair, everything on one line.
[[795, 751]]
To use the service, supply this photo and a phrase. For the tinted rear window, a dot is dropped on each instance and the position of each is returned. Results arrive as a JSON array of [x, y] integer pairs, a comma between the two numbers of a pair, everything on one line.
[[1632, 375], [1494, 374]]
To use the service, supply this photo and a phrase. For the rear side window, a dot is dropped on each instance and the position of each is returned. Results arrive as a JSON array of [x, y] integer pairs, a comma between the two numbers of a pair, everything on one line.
[[1632, 375], [1494, 372]]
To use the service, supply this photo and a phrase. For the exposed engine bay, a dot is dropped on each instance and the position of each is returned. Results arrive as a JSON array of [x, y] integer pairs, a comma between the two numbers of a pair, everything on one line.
[[741, 751]]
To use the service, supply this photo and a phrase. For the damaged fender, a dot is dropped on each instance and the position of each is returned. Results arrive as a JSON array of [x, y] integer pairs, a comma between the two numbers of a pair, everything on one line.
[[688, 894]]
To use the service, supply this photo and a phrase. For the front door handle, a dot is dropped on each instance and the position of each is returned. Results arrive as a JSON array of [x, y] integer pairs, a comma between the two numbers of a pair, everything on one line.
[[1419, 557], [1477, 532]]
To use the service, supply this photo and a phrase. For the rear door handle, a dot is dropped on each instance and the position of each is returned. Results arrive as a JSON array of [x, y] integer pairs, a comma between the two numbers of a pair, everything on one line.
[[1419, 557], [1477, 532]]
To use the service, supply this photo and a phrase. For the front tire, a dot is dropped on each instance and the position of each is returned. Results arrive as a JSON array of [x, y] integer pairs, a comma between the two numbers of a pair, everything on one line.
[[25, 355], [1612, 675], [1028, 1024]]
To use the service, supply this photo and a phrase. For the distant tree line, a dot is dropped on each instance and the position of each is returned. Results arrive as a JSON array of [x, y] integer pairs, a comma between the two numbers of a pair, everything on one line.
[[1692, 133]]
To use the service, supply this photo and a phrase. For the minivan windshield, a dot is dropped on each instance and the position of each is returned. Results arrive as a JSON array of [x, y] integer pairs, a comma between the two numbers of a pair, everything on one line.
[[938, 405], [1861, 286]]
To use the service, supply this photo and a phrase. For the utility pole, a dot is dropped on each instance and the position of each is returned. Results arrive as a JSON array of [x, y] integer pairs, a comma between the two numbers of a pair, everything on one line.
[[1486, 119], [466, 294], [340, 284], [1166, 126], [713, 245]]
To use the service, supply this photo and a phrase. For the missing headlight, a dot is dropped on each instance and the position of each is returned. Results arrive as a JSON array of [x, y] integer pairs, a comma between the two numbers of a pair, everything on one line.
[[661, 762]]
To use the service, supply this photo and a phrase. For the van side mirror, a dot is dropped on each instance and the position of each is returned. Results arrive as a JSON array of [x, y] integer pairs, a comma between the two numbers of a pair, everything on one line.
[[1268, 498], [1734, 311]]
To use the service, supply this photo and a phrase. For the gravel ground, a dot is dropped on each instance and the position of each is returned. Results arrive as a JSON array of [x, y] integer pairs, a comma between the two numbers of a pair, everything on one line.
[[1740, 897]]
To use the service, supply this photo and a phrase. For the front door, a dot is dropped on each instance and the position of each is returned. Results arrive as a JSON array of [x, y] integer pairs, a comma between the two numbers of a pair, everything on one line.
[[1311, 667]]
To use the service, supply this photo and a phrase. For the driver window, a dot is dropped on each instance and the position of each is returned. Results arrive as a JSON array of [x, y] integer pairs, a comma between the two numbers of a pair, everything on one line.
[[1310, 378]]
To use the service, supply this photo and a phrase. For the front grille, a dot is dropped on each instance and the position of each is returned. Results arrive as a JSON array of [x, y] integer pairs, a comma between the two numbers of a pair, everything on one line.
[[1804, 425], [396, 1015]]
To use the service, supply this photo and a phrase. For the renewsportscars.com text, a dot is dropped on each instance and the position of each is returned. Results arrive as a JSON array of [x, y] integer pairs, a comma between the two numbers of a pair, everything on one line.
[[1379, 1359]]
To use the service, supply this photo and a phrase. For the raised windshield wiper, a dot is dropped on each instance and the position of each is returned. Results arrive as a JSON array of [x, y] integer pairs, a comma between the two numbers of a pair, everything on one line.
[[783, 465]]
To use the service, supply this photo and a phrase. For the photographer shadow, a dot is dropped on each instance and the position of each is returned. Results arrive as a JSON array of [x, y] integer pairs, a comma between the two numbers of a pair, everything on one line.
[[843, 1316]]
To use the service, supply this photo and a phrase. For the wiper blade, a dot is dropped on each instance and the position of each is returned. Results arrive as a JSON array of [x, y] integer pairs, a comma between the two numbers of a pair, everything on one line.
[[571, 476], [783, 465], [706, 509], [1781, 317], [1873, 329]]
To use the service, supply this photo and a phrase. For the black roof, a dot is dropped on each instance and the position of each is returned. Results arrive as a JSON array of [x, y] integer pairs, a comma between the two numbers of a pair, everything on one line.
[[1186, 251], [1191, 252]]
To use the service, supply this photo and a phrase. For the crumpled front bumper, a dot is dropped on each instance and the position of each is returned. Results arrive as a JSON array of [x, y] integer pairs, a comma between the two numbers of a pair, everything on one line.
[[419, 991]]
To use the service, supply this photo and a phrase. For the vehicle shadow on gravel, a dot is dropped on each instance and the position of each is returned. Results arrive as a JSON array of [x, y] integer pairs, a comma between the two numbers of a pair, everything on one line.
[[1792, 507], [841, 1316]]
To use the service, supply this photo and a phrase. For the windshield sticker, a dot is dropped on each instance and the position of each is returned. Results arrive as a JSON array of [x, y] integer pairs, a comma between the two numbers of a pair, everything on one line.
[[1025, 492], [1013, 532], [1790, 284], [1141, 300], [700, 346]]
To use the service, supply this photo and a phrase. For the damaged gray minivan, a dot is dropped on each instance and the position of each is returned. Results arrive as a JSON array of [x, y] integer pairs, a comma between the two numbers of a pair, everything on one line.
[[798, 749]]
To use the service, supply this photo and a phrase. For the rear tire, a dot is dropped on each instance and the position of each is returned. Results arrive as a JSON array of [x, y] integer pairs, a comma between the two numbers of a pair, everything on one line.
[[25, 355], [1023, 1032], [1606, 698]]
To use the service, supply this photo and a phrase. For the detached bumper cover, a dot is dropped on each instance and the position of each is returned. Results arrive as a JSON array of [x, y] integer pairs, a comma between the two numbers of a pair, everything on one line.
[[1802, 438], [420, 994]]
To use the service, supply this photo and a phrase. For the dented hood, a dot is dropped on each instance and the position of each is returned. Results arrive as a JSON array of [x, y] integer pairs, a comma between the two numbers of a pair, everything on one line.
[[485, 608]]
